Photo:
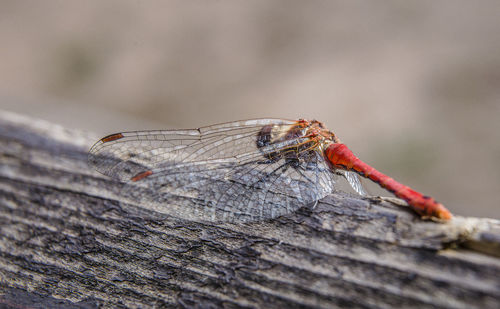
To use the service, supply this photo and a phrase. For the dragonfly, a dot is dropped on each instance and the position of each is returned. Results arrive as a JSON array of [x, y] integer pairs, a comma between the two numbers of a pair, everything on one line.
[[240, 171]]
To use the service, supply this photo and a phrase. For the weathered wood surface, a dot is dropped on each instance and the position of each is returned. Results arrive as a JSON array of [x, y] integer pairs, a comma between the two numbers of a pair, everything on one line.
[[67, 240]]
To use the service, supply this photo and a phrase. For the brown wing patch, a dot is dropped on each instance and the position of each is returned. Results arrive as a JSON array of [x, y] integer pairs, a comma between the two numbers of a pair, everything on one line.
[[141, 175], [112, 137]]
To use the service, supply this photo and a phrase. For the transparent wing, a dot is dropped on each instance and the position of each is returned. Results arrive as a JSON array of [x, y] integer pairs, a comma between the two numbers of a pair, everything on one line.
[[215, 173], [124, 155], [353, 180], [225, 190]]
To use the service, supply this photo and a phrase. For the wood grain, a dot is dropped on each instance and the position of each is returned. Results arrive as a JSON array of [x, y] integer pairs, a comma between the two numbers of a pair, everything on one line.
[[68, 240]]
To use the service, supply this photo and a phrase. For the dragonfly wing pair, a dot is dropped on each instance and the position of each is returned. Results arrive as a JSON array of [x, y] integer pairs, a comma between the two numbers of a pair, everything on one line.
[[215, 173]]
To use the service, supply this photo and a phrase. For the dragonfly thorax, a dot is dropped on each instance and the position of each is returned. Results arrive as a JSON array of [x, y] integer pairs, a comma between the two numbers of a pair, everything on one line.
[[301, 141]]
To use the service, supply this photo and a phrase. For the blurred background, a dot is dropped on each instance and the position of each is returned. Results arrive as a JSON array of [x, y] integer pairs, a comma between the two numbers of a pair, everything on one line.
[[412, 87]]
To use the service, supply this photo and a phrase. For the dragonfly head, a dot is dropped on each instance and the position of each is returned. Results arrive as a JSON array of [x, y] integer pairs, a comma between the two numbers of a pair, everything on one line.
[[316, 129]]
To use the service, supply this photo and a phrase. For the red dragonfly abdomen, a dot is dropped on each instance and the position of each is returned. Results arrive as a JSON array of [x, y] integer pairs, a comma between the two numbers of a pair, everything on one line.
[[339, 156]]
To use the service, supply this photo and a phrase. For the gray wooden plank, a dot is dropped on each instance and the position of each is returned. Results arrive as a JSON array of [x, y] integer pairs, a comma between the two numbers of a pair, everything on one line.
[[66, 235]]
